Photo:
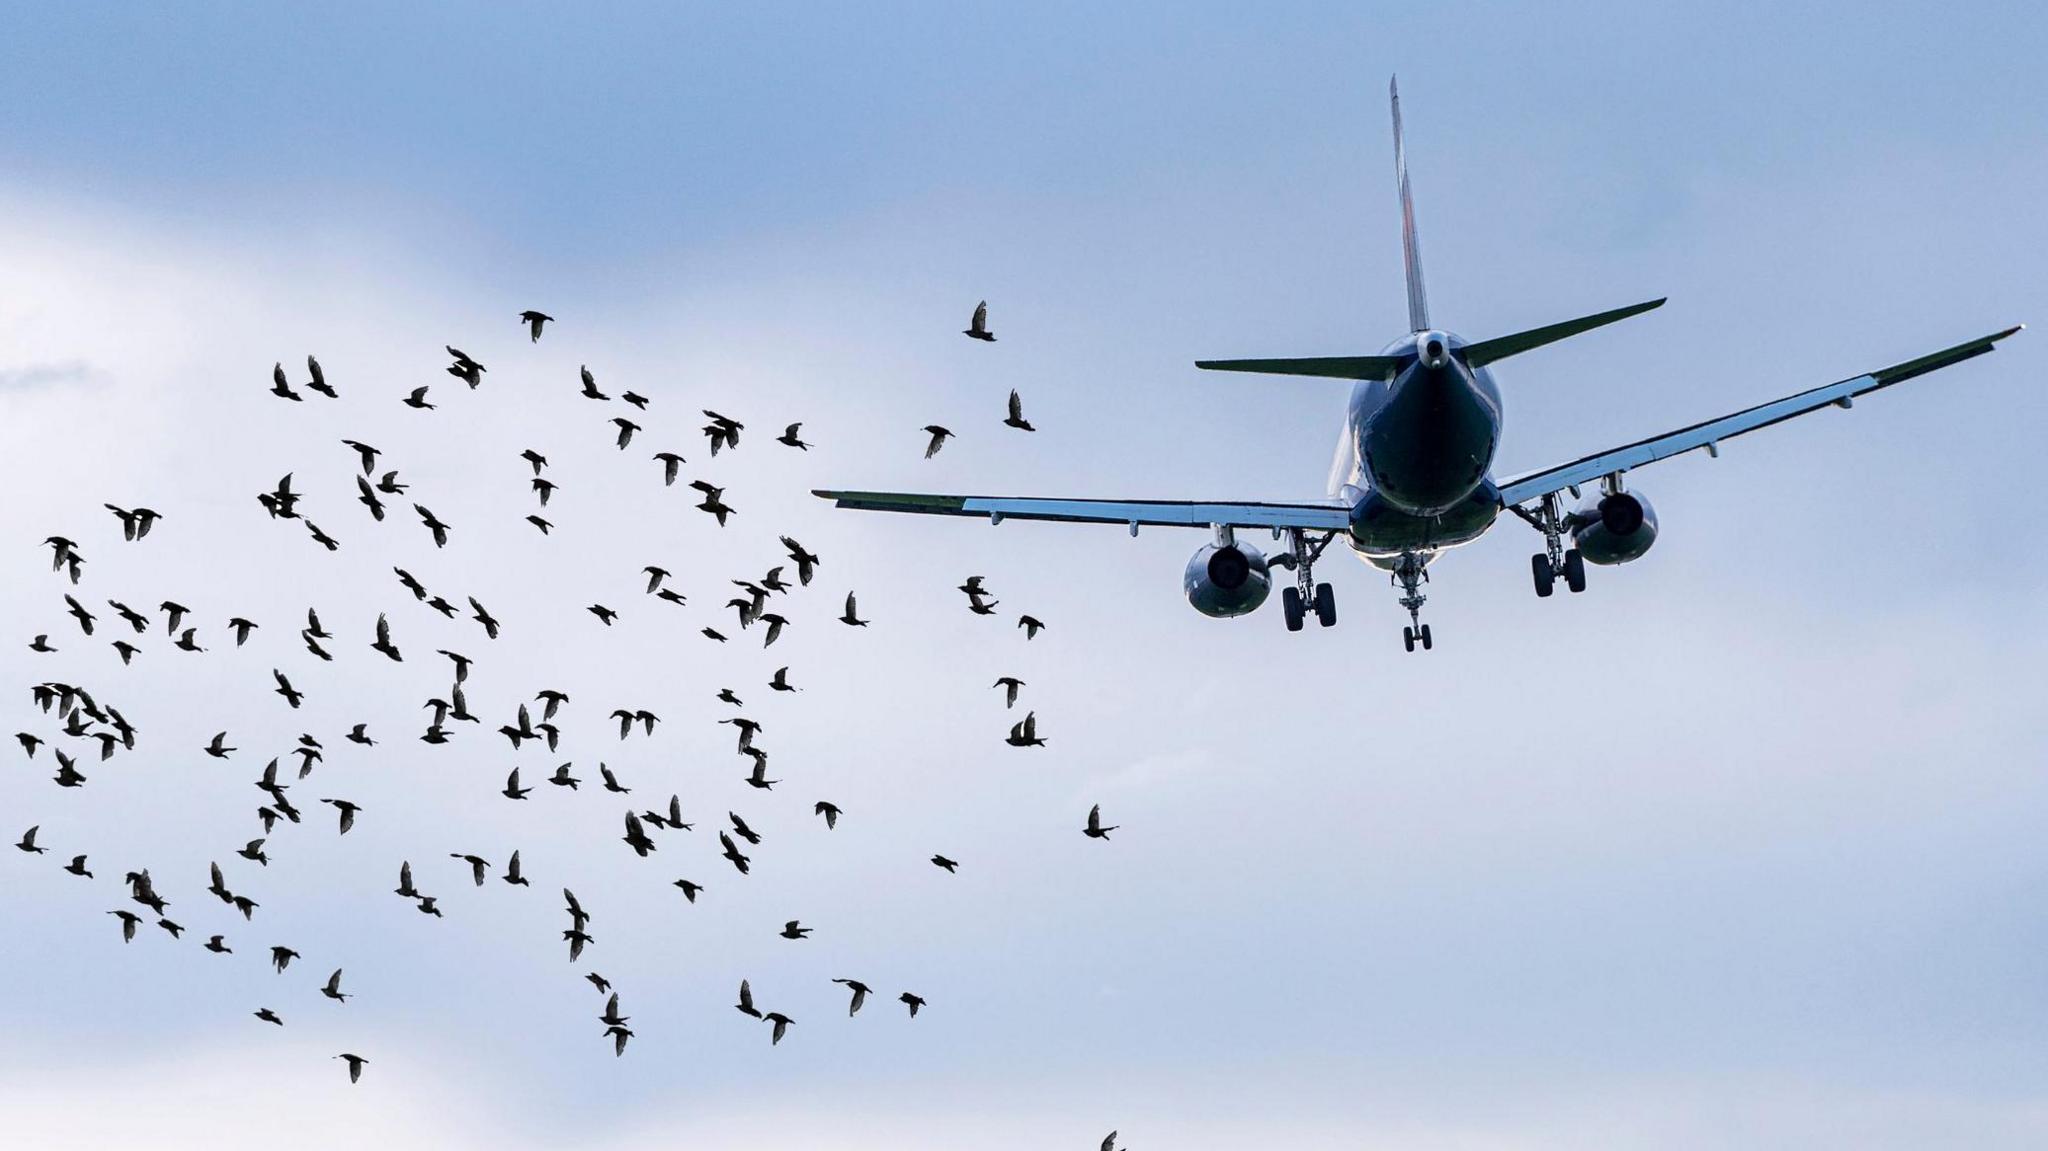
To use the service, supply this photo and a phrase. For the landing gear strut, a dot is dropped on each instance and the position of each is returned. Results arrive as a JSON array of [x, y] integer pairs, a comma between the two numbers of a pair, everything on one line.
[[1555, 559], [1411, 573], [1306, 595]]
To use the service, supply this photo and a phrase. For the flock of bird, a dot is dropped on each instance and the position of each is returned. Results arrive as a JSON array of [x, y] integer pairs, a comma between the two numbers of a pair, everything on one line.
[[88, 726]]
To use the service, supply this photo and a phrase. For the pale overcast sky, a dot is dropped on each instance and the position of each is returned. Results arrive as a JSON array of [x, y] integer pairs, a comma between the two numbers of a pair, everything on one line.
[[1740, 848]]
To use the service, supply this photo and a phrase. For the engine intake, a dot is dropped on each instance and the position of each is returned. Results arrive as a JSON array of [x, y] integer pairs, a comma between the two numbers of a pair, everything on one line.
[[1617, 528], [1227, 580]]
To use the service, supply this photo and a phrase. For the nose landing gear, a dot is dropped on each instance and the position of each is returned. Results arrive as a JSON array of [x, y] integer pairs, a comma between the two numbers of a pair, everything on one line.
[[1411, 572]]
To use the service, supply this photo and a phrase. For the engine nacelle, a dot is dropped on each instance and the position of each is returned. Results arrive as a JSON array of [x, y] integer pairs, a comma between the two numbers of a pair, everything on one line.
[[1614, 529], [1224, 580]]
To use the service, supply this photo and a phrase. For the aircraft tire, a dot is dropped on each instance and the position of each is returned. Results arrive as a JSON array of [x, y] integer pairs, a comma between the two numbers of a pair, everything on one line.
[[1290, 607], [1326, 605], [1425, 637], [1575, 571], [1545, 575], [1408, 638]]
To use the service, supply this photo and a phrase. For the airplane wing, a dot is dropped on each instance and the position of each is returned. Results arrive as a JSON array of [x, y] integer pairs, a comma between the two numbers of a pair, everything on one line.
[[1710, 433], [1322, 515]]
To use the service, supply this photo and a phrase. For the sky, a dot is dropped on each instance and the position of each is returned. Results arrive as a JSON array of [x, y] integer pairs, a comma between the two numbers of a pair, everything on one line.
[[1740, 847]]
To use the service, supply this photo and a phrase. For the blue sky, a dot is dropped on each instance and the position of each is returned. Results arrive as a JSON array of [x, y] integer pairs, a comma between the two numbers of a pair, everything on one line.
[[1738, 848]]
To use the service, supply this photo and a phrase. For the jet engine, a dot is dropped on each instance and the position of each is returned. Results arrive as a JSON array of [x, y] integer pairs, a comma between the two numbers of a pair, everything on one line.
[[1614, 529], [1229, 579]]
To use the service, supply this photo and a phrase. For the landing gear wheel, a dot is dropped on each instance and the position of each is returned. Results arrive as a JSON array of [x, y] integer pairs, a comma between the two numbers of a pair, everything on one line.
[[1424, 635], [1290, 606], [1575, 571], [1326, 605], [1546, 576], [1408, 638]]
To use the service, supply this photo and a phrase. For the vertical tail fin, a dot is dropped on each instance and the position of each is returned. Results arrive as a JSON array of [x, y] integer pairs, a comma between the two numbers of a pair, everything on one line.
[[1411, 250]]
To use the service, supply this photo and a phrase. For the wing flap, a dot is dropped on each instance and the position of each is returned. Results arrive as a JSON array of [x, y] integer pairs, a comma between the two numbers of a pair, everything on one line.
[[1709, 433], [1329, 515]]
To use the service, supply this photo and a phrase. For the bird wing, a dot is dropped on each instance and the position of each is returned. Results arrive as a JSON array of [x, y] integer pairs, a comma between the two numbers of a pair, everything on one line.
[[1016, 405]]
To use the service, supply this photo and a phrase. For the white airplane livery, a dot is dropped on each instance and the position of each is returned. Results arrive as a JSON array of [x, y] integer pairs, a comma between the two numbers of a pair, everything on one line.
[[1414, 469]]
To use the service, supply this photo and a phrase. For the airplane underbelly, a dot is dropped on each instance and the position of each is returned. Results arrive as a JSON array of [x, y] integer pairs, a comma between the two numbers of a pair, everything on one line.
[[1379, 529]]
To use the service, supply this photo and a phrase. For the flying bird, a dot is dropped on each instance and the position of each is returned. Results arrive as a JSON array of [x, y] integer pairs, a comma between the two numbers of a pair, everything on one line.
[[319, 382], [911, 1001], [355, 1065], [1009, 684], [789, 437], [850, 617], [418, 399], [951, 866], [1095, 830], [977, 328], [590, 386], [830, 811], [280, 386], [860, 995], [939, 437], [1016, 419], [1031, 624], [533, 321], [1024, 733], [333, 988], [671, 465]]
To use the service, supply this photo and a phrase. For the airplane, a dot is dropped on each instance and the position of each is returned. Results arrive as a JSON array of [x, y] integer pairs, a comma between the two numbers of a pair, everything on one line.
[[1413, 474]]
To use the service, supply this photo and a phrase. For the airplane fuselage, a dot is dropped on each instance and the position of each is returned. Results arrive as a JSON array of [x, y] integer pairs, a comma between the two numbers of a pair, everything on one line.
[[1416, 458]]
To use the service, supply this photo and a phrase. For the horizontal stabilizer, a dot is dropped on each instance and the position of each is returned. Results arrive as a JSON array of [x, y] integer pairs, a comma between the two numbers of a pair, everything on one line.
[[1333, 367], [1500, 348]]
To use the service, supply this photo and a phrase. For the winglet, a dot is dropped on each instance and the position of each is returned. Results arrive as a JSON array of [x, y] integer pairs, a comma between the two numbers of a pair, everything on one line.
[[1411, 249]]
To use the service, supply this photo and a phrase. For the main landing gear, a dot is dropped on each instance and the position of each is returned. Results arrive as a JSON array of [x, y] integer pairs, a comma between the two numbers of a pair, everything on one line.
[[1306, 595], [1411, 572], [1555, 559]]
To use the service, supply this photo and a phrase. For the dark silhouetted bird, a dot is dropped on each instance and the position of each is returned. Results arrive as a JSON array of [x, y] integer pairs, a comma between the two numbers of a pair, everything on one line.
[[384, 643], [465, 369], [533, 321], [911, 1001], [713, 504], [355, 1065], [439, 529], [129, 921], [281, 387], [483, 617], [77, 867], [333, 990], [477, 866], [347, 810], [281, 958], [1009, 684], [690, 890], [789, 437], [268, 1016], [590, 385], [939, 437], [780, 681], [513, 875], [218, 945], [671, 465], [319, 382], [977, 328], [781, 1023], [636, 836], [134, 524], [218, 748], [1024, 733], [951, 865], [1095, 830], [242, 628], [1016, 419], [860, 995], [732, 852], [603, 613], [1031, 624], [626, 430], [28, 842], [634, 398], [850, 617], [829, 810], [745, 1006], [418, 399]]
